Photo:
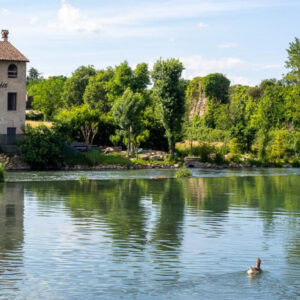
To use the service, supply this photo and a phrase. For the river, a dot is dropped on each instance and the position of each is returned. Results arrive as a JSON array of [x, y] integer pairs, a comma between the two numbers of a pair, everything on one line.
[[136, 235]]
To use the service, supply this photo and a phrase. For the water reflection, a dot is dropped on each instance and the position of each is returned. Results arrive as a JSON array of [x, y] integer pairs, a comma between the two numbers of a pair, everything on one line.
[[11, 236], [150, 234]]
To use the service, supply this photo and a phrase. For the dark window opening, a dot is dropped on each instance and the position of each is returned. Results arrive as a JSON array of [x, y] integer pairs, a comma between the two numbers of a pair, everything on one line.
[[12, 71], [11, 136], [12, 101]]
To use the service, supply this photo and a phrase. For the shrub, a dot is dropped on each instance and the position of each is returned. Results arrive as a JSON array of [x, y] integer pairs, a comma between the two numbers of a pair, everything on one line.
[[207, 152], [183, 172], [42, 147]]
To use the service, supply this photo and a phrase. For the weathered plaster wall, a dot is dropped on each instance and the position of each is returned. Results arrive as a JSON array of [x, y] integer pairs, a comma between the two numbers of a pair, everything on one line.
[[14, 85]]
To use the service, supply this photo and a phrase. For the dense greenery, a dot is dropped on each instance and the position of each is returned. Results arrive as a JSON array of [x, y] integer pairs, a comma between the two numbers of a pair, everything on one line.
[[42, 147], [135, 108], [169, 90]]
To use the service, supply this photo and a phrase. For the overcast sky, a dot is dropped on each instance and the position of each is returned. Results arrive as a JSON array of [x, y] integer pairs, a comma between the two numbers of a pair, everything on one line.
[[245, 40]]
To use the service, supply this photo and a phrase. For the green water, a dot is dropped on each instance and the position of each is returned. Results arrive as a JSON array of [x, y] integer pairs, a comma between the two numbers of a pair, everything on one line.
[[146, 238]]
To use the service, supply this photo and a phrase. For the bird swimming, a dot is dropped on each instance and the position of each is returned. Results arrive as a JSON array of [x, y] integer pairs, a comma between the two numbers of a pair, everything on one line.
[[253, 271]]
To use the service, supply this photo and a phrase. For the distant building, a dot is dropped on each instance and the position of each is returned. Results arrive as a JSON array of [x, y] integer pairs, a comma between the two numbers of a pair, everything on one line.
[[12, 93]]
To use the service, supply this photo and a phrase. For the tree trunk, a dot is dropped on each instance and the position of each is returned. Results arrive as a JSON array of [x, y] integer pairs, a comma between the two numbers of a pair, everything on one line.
[[171, 143]]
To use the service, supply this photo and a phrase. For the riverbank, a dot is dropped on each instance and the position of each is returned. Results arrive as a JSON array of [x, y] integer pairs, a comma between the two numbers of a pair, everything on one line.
[[17, 163]]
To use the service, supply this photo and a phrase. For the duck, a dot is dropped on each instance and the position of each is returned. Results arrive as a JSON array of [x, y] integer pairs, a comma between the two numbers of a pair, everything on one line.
[[253, 271]]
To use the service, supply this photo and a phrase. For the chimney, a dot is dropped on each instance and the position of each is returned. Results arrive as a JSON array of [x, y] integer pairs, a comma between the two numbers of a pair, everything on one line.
[[5, 33]]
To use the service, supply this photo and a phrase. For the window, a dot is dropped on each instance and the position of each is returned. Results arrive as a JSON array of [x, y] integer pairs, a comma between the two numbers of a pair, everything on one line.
[[12, 71], [12, 101]]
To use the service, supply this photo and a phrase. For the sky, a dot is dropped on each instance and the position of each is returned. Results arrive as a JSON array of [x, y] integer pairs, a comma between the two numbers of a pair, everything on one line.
[[245, 40]]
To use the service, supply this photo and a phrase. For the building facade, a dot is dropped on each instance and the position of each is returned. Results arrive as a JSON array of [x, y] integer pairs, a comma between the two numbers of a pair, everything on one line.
[[12, 93]]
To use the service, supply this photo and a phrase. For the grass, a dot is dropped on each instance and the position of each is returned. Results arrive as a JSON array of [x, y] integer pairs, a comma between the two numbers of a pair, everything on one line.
[[38, 123], [2, 172], [95, 158], [183, 173]]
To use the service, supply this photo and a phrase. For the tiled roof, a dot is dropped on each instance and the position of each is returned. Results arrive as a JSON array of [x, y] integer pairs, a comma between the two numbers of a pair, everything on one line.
[[9, 53]]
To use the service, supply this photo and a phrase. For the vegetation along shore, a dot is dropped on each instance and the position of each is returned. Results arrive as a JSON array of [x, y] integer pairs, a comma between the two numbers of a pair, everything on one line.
[[133, 109]]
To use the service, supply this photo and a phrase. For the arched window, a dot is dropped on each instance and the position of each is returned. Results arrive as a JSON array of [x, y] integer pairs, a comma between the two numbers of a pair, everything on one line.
[[12, 71]]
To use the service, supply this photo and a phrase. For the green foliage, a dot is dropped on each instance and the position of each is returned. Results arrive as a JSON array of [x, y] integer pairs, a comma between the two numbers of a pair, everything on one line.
[[216, 86], [127, 111], [96, 92], [293, 61], [170, 95], [206, 152], [42, 147], [94, 158], [74, 87], [2, 172], [34, 77], [47, 96], [183, 173]]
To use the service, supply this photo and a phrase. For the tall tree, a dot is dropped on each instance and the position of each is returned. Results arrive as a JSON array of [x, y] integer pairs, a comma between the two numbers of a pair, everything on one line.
[[75, 85], [168, 89], [293, 61], [127, 111], [47, 96], [96, 92]]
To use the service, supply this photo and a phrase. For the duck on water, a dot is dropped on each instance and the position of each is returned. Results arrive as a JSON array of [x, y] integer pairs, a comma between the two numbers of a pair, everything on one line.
[[253, 271]]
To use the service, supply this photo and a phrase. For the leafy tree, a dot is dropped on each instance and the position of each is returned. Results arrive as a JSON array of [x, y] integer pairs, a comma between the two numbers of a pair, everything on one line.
[[47, 96], [170, 95], [33, 73], [216, 86], [127, 111], [34, 76], [141, 78], [124, 77], [80, 122], [293, 61], [96, 92], [74, 87], [42, 147]]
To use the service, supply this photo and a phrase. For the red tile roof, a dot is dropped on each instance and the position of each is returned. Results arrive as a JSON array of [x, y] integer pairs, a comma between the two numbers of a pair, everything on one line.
[[9, 53]]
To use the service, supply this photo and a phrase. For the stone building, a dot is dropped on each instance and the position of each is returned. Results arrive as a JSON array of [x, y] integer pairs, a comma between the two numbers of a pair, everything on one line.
[[12, 93]]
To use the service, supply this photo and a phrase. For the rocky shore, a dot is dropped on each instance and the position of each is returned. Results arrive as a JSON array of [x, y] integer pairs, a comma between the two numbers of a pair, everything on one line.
[[16, 163]]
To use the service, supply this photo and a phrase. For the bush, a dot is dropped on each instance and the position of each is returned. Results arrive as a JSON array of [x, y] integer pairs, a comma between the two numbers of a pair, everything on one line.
[[182, 173], [207, 152], [42, 147]]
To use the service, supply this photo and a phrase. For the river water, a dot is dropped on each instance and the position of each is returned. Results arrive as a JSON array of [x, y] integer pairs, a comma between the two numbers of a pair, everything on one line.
[[136, 235]]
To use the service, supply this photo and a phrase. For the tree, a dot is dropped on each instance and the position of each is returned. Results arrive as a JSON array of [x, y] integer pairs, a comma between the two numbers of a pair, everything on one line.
[[75, 85], [80, 122], [127, 111], [170, 95], [96, 92], [293, 61], [34, 76], [216, 86], [124, 77], [47, 96], [33, 73]]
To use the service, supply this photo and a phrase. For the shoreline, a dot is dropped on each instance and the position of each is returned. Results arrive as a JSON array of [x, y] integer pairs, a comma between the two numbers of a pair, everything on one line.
[[205, 166]]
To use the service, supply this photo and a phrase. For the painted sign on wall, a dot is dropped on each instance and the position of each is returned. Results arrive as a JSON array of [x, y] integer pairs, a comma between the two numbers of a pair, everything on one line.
[[3, 85]]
